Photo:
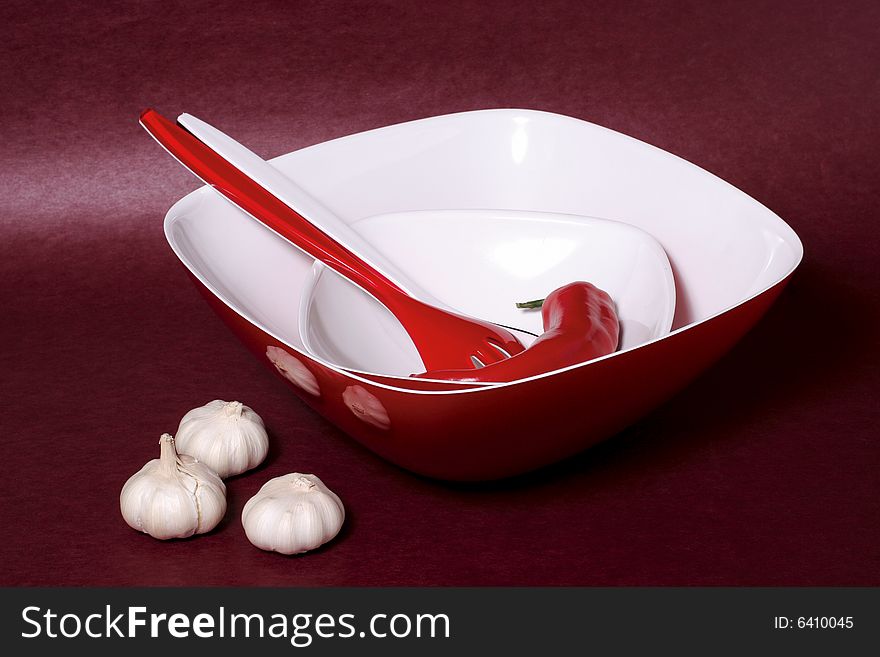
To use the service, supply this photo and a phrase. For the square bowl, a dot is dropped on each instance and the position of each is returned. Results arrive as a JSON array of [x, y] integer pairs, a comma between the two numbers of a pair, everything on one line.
[[730, 256]]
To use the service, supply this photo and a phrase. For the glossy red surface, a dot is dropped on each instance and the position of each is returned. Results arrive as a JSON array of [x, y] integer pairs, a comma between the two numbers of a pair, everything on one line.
[[580, 324], [762, 472], [474, 436]]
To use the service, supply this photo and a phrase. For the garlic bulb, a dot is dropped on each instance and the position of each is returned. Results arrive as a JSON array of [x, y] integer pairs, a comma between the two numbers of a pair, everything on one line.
[[228, 437], [292, 514], [173, 496]]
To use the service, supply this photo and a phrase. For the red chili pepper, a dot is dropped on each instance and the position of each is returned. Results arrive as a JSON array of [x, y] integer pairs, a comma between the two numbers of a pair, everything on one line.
[[580, 324]]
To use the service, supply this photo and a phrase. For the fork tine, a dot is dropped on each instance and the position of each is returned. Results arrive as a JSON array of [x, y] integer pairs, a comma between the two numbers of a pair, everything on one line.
[[512, 347], [499, 348], [488, 354]]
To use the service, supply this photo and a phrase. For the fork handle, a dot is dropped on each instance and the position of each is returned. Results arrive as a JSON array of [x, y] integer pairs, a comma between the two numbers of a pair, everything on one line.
[[266, 208]]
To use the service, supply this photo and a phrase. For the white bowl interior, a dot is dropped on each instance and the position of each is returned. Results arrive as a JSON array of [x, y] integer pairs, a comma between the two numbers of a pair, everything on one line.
[[480, 263], [724, 247]]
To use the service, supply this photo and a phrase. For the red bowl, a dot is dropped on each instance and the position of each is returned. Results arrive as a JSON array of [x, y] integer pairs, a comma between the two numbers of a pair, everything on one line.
[[731, 257]]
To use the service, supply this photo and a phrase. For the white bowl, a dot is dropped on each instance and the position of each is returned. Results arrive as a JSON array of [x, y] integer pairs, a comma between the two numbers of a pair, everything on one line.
[[730, 255], [480, 263]]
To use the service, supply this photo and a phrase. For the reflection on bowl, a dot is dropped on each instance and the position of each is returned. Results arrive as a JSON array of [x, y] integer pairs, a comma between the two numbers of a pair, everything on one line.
[[731, 257]]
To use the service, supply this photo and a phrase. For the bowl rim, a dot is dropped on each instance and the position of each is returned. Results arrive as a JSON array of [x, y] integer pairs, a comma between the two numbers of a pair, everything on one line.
[[793, 240]]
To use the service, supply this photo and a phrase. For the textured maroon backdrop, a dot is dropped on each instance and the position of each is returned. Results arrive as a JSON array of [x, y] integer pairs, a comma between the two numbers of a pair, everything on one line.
[[763, 472]]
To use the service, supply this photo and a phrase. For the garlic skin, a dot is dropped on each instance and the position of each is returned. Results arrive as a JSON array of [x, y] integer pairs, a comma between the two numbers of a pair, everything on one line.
[[173, 496], [228, 437], [292, 514]]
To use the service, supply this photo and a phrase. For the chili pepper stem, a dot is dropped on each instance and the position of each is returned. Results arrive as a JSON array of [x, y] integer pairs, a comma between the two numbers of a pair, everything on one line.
[[537, 303]]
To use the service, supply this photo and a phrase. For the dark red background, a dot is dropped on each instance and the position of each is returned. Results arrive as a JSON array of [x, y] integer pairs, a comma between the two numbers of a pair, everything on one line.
[[763, 472]]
